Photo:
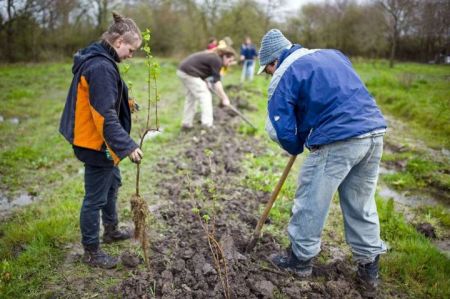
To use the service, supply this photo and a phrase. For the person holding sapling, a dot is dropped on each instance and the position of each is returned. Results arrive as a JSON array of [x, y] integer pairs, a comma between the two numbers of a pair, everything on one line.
[[194, 72], [97, 122], [317, 100]]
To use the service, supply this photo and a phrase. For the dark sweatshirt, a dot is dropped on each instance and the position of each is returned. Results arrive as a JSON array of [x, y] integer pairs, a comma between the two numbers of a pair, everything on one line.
[[203, 65]]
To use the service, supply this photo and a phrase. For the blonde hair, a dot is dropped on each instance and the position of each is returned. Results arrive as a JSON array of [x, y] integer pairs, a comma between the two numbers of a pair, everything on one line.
[[223, 49], [122, 27]]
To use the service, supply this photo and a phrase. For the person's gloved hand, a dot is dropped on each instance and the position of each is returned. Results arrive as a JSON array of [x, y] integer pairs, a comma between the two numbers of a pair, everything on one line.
[[136, 156]]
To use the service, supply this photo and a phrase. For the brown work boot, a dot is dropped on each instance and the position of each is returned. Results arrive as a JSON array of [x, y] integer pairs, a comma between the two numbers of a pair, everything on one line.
[[113, 234], [95, 257]]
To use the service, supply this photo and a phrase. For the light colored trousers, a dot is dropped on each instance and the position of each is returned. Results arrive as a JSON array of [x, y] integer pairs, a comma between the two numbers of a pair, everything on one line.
[[350, 167], [196, 92], [248, 70]]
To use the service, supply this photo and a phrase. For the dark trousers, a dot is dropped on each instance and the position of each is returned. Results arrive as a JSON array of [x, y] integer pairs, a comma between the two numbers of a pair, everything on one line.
[[101, 185]]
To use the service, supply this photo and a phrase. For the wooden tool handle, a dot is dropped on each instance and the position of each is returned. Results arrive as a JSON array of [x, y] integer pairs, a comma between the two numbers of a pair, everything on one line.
[[269, 205]]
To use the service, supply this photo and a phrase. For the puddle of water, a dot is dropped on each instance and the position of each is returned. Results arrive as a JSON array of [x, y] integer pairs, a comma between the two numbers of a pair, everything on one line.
[[6, 204], [444, 246], [14, 120], [405, 203], [153, 134], [384, 170], [406, 199]]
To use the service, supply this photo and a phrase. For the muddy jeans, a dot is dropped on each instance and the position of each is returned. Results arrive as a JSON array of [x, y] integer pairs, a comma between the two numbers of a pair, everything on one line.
[[101, 185], [351, 168], [196, 91]]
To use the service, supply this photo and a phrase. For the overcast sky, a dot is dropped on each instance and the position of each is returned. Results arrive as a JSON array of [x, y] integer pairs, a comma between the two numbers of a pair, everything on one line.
[[292, 6]]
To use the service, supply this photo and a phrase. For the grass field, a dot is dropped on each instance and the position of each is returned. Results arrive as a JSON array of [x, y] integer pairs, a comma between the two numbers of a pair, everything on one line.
[[416, 93], [34, 158]]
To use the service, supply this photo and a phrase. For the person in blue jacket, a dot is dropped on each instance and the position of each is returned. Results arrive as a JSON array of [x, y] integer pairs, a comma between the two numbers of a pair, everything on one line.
[[97, 122], [248, 56], [317, 101]]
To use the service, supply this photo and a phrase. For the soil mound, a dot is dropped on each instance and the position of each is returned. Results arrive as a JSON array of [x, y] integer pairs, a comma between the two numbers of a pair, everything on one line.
[[181, 260]]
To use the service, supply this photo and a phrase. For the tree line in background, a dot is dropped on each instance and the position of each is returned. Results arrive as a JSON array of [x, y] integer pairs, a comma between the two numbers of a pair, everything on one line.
[[36, 30]]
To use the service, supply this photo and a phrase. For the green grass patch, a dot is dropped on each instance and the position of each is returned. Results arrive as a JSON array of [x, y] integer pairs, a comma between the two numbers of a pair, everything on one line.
[[436, 212], [419, 94], [413, 263], [418, 171], [33, 240], [33, 147]]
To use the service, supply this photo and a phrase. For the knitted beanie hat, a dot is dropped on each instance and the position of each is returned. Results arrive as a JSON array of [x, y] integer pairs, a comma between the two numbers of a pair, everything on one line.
[[272, 44]]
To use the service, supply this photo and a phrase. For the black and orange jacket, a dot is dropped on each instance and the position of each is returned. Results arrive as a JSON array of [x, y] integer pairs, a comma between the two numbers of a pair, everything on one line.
[[97, 118]]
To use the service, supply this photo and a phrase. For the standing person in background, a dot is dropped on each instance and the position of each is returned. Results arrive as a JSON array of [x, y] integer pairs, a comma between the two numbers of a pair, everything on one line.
[[317, 100], [212, 43], [96, 120], [248, 56], [193, 72]]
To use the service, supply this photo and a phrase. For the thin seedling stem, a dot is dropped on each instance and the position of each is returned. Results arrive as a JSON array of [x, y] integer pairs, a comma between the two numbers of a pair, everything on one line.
[[156, 103], [139, 205], [149, 97]]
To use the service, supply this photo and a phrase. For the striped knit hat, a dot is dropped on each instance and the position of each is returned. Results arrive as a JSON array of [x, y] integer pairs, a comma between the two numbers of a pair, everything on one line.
[[272, 44]]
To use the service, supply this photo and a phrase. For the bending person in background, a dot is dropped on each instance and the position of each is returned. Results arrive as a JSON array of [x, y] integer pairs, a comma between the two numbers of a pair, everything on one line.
[[317, 100], [248, 56], [97, 122], [199, 72]]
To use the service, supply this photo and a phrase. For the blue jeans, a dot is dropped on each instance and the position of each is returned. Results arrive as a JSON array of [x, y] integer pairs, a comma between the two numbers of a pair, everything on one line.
[[351, 168], [101, 185], [248, 70]]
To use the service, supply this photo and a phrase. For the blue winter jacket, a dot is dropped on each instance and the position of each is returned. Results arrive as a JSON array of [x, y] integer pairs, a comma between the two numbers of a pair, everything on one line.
[[248, 51], [316, 98]]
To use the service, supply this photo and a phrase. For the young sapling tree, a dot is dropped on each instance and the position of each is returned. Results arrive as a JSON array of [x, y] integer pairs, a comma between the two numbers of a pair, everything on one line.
[[139, 206]]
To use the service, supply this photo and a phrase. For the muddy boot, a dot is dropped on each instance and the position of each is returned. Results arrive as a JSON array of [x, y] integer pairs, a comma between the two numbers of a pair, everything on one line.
[[113, 234], [95, 257], [368, 277], [292, 264]]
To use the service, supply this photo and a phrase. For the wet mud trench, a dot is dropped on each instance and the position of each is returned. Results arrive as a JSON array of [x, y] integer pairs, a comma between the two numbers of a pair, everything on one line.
[[410, 202], [207, 178]]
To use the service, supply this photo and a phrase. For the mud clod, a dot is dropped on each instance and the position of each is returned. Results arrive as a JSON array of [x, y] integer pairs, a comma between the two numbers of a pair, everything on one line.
[[129, 259], [264, 288], [426, 229]]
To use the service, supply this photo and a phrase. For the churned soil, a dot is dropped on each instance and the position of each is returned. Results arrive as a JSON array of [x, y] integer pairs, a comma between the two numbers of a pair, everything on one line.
[[208, 176]]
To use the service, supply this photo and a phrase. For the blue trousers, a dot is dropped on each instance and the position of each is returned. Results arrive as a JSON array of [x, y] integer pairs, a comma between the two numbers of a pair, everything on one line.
[[101, 185], [351, 168], [248, 70]]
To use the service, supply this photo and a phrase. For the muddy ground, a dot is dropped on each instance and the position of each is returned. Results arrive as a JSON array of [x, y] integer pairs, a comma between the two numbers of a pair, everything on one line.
[[181, 260]]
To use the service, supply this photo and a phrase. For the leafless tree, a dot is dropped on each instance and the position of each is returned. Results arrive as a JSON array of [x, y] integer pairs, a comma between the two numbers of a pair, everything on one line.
[[400, 13]]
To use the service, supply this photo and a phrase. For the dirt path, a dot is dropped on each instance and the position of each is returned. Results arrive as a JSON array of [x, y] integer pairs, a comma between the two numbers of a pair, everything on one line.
[[181, 259]]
